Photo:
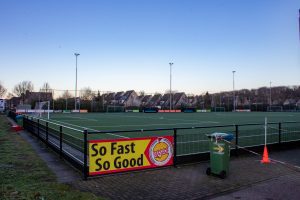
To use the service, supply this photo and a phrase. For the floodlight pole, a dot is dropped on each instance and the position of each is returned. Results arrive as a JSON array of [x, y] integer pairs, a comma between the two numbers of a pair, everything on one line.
[[76, 55], [171, 85], [48, 110], [270, 94], [233, 91]]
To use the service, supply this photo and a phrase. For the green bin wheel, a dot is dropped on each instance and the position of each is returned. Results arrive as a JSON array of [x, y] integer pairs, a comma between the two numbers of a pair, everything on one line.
[[208, 171], [223, 174]]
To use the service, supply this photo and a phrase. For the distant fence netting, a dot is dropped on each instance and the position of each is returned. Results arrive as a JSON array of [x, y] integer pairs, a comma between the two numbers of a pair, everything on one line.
[[254, 134], [194, 140], [139, 133], [290, 132]]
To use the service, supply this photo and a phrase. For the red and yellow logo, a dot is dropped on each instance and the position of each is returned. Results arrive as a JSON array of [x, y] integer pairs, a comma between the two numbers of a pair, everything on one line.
[[161, 151]]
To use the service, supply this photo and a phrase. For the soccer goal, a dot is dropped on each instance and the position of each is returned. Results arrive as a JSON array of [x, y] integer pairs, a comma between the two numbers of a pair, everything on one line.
[[219, 109], [115, 109], [42, 108], [274, 108]]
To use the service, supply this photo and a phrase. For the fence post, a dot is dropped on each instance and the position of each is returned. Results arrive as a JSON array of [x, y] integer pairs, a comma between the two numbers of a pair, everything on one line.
[[47, 133], [175, 148], [23, 116], [236, 139], [24, 122], [279, 133], [85, 146], [60, 142], [38, 126]]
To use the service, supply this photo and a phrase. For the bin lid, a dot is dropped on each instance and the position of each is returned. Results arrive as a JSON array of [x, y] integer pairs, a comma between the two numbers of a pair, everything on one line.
[[224, 136], [19, 116]]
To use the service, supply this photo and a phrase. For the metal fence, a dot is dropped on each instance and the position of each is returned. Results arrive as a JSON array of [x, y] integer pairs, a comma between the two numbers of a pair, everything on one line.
[[190, 143], [58, 137]]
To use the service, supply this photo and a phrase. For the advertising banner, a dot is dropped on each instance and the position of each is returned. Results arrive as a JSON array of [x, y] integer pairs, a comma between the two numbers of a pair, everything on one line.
[[109, 156]]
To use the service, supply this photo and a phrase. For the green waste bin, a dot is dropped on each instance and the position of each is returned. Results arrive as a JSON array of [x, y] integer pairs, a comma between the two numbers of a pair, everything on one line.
[[19, 119], [219, 154]]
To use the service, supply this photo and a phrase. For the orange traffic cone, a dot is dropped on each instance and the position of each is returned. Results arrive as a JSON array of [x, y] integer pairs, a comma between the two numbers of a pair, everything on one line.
[[265, 158]]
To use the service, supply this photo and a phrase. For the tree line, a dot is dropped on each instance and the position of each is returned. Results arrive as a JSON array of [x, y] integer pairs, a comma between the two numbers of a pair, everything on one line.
[[254, 99]]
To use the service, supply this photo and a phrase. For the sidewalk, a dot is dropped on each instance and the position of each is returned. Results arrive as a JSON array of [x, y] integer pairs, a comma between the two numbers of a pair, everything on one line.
[[191, 182], [248, 179]]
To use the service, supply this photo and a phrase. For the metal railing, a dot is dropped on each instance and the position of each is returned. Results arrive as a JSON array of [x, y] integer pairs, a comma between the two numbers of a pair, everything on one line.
[[190, 143]]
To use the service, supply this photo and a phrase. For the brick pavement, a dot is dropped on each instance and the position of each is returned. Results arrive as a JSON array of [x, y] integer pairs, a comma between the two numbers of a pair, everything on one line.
[[187, 181]]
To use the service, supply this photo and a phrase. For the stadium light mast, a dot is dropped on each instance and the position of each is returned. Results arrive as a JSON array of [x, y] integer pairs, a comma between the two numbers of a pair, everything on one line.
[[299, 24], [171, 85], [270, 94], [76, 55], [233, 91]]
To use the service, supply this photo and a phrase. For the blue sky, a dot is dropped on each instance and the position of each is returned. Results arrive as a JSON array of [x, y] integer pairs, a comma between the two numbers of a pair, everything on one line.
[[128, 44]]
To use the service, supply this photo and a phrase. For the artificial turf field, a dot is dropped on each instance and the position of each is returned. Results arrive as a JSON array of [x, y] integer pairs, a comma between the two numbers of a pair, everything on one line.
[[189, 140], [133, 121]]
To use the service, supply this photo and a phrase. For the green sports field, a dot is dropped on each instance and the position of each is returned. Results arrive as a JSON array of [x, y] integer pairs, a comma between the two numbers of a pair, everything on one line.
[[132, 121], [189, 140]]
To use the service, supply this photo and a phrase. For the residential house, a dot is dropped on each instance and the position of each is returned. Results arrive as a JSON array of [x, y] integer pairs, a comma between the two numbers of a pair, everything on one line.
[[14, 102], [165, 101], [145, 100], [118, 98], [298, 104], [30, 98], [289, 104], [155, 100], [108, 98], [192, 101], [179, 100], [130, 99]]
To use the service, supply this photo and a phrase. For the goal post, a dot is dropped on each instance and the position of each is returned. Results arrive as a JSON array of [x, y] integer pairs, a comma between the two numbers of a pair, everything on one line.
[[219, 109], [42, 107], [115, 109], [275, 108]]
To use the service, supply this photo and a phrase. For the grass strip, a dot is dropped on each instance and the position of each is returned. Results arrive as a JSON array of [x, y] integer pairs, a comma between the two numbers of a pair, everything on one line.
[[23, 175]]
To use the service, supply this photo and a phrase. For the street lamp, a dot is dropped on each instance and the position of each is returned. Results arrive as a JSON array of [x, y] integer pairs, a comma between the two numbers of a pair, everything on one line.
[[233, 91], [171, 85], [76, 55]]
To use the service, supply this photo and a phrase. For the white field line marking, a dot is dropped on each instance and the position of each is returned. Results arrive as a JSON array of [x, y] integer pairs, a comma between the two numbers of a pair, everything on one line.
[[255, 153], [212, 122], [139, 125], [162, 118], [70, 120], [89, 129], [82, 118]]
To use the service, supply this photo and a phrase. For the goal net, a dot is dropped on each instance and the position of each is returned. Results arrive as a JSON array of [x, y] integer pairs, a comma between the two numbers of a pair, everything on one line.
[[275, 109], [42, 108], [115, 109], [219, 109]]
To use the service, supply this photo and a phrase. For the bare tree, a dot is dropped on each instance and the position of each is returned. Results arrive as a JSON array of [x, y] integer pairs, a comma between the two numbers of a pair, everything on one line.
[[2, 90], [22, 87], [46, 87], [142, 93], [86, 93], [9, 95], [66, 95]]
